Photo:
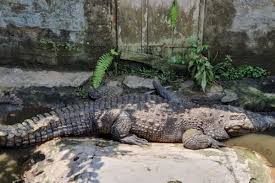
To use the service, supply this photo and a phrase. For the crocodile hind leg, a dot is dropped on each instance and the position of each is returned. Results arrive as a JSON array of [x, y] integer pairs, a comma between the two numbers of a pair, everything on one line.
[[195, 139], [121, 131]]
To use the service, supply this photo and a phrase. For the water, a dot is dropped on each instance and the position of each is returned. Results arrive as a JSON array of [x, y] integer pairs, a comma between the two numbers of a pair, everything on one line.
[[12, 160], [263, 143]]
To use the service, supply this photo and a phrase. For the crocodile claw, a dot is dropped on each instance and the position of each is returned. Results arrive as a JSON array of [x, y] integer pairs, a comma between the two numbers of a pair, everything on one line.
[[217, 145], [134, 140]]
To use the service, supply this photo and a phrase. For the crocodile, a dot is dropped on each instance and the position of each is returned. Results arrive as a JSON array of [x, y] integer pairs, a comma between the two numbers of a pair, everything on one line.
[[139, 119]]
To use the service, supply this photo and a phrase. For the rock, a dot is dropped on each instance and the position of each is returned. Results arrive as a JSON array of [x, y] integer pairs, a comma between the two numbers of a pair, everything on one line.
[[97, 160], [135, 82], [215, 91], [47, 89], [113, 83], [230, 96], [189, 84], [21, 78]]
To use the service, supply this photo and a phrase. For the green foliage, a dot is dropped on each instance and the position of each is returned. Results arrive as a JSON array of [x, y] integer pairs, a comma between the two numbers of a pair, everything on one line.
[[173, 14], [102, 66], [49, 44], [199, 65], [227, 71], [177, 59], [203, 73]]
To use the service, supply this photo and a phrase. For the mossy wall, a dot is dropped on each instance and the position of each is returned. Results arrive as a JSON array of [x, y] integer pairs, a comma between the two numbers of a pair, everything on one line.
[[72, 34], [243, 29], [55, 33]]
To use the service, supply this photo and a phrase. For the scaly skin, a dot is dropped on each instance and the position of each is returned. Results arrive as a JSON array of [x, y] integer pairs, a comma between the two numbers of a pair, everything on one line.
[[9, 103], [105, 91], [132, 119], [10, 99]]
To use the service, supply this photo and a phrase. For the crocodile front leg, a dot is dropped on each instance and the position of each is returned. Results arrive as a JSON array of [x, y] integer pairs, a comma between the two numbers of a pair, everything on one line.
[[195, 139], [121, 131]]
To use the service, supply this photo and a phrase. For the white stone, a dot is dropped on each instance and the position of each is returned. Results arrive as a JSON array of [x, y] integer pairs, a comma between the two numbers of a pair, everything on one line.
[[96, 160]]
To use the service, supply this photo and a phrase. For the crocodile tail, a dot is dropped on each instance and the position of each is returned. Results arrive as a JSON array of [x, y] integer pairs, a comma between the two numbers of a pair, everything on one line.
[[38, 129]]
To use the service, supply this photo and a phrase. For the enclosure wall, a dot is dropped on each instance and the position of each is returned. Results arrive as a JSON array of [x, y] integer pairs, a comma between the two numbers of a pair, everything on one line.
[[55, 33], [244, 29], [64, 34]]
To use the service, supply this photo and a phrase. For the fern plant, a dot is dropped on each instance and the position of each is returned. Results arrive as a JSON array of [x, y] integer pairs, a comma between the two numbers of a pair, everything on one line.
[[174, 13], [102, 66]]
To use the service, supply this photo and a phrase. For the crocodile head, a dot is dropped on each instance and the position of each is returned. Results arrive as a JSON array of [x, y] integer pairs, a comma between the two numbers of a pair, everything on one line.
[[242, 124], [237, 128]]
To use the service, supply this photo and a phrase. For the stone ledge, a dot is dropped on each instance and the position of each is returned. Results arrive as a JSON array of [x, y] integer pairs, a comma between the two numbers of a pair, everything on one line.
[[21, 78], [97, 160]]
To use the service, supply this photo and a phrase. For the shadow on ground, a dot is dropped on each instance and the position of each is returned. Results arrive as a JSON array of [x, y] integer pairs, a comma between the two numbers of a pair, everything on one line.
[[79, 159]]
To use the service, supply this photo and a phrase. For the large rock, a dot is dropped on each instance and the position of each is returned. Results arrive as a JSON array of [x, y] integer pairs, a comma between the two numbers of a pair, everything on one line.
[[15, 77], [138, 82], [95, 160]]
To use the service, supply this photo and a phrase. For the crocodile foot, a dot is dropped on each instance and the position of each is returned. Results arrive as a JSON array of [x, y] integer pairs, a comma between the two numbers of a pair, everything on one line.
[[195, 139], [216, 144], [134, 140]]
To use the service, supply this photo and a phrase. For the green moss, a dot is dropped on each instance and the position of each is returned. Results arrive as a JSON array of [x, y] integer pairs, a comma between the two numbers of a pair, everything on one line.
[[49, 44]]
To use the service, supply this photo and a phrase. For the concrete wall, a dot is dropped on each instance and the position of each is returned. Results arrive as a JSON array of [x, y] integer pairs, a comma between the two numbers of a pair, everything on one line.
[[244, 29], [73, 34], [55, 33]]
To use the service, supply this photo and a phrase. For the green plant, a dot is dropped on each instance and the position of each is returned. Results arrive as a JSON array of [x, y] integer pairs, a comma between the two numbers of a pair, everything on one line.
[[48, 44], [227, 71], [55, 46], [102, 66], [198, 64], [173, 14], [176, 59]]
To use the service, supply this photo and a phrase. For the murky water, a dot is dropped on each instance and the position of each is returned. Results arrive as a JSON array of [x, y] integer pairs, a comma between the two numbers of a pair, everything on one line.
[[263, 143], [11, 160]]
